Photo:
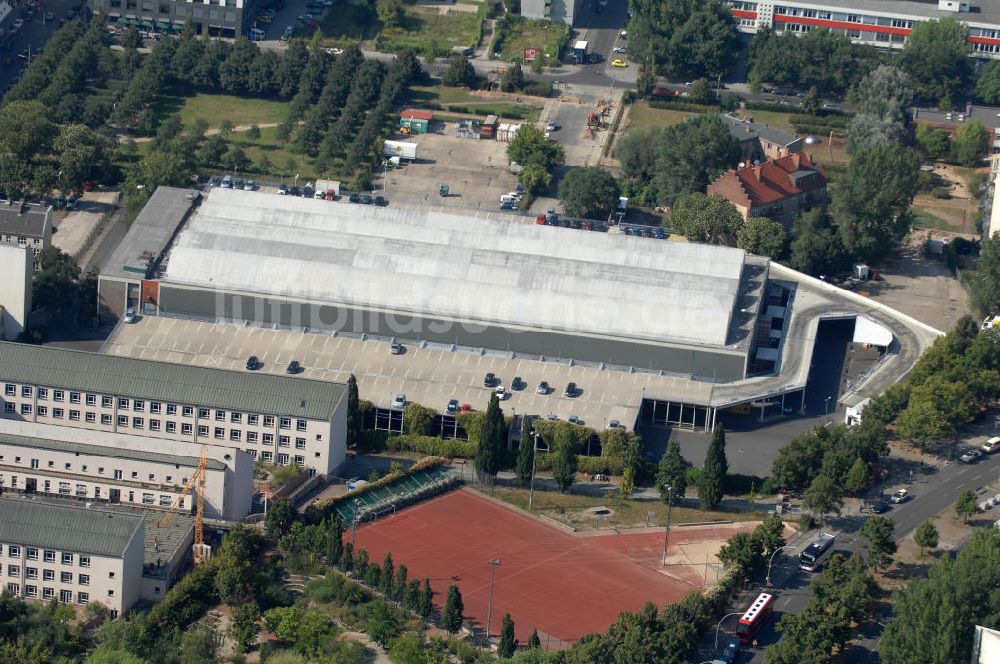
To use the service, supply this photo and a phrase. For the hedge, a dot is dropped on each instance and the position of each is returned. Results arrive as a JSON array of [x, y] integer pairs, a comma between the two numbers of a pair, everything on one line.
[[432, 445], [662, 103]]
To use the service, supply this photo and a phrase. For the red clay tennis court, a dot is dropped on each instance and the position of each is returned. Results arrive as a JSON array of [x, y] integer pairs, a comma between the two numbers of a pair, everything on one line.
[[563, 585]]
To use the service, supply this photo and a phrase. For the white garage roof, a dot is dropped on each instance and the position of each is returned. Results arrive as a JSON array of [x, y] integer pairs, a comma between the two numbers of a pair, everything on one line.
[[420, 262]]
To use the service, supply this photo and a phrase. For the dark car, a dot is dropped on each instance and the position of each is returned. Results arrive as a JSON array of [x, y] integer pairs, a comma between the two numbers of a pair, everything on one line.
[[294, 191], [490, 380], [452, 408], [366, 199], [379, 200], [214, 181], [354, 198], [731, 653], [571, 389], [517, 383], [308, 191], [253, 363], [658, 233], [283, 189], [238, 183], [293, 367], [878, 507]]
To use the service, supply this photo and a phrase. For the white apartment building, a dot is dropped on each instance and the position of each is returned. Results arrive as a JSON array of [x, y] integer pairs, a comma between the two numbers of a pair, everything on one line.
[[71, 554], [98, 467], [16, 266], [278, 419], [882, 23]]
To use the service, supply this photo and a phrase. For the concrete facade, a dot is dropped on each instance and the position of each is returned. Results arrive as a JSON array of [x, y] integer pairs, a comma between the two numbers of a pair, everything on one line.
[[121, 469], [560, 11], [218, 18], [72, 554], [15, 289]]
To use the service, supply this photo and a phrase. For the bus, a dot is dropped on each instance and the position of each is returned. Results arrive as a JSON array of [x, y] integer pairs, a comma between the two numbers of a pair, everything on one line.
[[754, 618], [813, 555]]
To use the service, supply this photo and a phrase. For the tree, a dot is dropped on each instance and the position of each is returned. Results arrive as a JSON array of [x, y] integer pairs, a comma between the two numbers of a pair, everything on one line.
[[878, 530], [988, 85], [534, 178], [589, 192], [771, 534], [926, 535], [530, 146], [279, 519], [671, 472], [452, 617], [871, 201], [388, 574], [936, 57], [762, 236], [426, 600], [742, 552], [254, 132], [198, 646], [811, 101], [460, 73], [857, 477], [513, 78], [564, 465], [972, 142], [966, 505], [489, 450], [934, 142], [244, 627], [936, 409], [702, 218], [815, 248], [713, 474], [883, 100], [934, 619], [382, 624], [691, 154], [627, 485], [822, 497], [507, 642], [418, 420], [683, 39], [354, 414], [534, 642], [807, 636], [700, 92], [526, 459]]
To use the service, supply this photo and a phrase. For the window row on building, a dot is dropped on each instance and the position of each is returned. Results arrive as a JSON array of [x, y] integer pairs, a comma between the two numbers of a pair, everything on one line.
[[65, 596], [89, 490], [15, 551]]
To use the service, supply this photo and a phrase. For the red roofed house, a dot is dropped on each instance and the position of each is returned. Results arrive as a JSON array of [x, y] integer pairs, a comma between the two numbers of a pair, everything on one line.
[[781, 188]]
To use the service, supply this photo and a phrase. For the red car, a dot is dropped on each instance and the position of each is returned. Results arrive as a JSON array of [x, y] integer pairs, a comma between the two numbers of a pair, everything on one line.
[[466, 408], [540, 219]]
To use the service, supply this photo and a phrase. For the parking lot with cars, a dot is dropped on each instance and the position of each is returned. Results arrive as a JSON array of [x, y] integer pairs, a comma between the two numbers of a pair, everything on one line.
[[436, 377]]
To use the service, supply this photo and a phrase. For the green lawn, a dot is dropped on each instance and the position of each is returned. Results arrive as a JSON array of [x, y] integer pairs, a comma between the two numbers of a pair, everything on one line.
[[216, 108], [440, 94], [642, 115], [425, 29], [544, 35], [925, 219], [284, 162], [467, 104], [571, 509]]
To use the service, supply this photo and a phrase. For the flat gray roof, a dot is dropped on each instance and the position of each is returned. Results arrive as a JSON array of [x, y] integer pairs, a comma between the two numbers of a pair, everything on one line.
[[985, 12], [67, 528], [163, 381], [27, 219], [97, 450], [988, 115], [743, 130], [150, 233], [423, 262]]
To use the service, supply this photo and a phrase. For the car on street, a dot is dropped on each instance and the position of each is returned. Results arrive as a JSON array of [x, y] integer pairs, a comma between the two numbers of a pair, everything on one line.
[[399, 401], [283, 189], [253, 363], [571, 390], [543, 388], [618, 63], [731, 653], [501, 392], [489, 380], [130, 316], [992, 445], [618, 49], [552, 126], [293, 367], [971, 456], [900, 496], [396, 348], [831, 107], [452, 408]]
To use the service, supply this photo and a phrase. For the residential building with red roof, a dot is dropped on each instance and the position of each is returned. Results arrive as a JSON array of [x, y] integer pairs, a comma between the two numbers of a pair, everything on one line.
[[781, 188]]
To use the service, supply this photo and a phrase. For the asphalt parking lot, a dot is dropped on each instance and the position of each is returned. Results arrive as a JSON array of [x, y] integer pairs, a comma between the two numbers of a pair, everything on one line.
[[430, 376]]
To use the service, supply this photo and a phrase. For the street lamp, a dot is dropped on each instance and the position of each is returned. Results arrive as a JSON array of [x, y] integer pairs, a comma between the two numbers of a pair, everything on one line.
[[738, 613], [771, 560], [826, 401], [666, 531], [489, 606]]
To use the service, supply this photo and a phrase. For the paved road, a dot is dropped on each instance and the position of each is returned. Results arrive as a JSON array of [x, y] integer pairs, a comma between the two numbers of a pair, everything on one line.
[[98, 255], [35, 32], [932, 491]]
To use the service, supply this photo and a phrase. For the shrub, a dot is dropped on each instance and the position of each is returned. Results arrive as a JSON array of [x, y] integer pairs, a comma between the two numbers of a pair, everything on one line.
[[538, 88], [432, 446], [940, 192]]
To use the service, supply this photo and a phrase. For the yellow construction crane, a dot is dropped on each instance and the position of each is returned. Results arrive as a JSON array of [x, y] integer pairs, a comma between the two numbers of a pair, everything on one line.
[[202, 552]]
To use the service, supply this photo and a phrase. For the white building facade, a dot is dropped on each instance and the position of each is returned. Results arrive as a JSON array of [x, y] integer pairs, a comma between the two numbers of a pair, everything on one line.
[[16, 267]]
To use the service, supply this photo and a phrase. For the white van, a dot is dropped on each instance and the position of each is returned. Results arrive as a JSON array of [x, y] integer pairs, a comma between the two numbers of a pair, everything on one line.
[[507, 198], [992, 445]]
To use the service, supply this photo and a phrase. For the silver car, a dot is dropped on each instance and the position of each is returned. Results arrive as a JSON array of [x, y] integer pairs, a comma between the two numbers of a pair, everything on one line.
[[399, 401]]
